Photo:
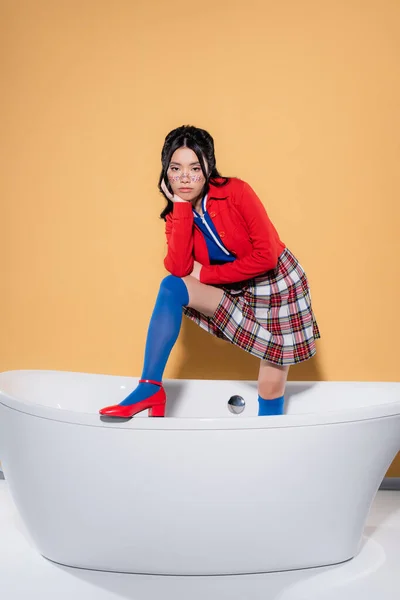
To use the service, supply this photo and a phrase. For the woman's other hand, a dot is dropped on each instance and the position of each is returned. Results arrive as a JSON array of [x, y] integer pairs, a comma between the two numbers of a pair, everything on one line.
[[196, 270]]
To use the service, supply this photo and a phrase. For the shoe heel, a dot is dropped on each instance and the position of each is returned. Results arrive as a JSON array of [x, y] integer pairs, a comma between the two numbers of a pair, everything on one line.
[[157, 411]]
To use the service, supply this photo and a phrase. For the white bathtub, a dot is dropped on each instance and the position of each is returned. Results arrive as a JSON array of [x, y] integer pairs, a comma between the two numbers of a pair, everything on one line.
[[202, 491]]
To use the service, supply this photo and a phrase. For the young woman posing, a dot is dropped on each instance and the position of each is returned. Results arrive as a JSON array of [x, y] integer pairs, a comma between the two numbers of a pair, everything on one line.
[[230, 273]]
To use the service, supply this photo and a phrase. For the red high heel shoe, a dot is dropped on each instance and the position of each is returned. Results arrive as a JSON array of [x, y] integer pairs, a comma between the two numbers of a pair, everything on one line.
[[155, 404]]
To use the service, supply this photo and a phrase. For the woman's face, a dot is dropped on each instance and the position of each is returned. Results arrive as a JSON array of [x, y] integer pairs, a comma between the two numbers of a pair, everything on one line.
[[185, 175]]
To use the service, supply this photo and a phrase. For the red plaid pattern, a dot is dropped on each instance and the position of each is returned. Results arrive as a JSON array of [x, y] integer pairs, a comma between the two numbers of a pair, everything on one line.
[[269, 316]]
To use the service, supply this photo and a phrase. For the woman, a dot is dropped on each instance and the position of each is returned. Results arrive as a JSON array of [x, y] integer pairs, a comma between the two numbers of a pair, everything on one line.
[[229, 272]]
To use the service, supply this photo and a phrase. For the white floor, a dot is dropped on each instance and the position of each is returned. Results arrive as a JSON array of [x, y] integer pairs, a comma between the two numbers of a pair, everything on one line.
[[373, 574]]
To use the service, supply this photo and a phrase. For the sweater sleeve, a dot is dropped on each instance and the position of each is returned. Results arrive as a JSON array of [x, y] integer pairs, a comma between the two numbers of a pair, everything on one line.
[[264, 239], [179, 232]]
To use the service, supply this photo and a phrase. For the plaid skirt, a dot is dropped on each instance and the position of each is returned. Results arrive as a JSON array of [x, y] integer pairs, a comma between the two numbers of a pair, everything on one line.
[[269, 316]]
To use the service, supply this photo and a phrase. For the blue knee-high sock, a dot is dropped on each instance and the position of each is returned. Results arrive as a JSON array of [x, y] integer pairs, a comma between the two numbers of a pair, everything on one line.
[[164, 327], [270, 407]]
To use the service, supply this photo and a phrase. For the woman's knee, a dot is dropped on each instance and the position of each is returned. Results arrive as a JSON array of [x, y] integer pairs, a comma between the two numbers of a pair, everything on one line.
[[271, 389], [170, 282], [272, 380], [175, 286]]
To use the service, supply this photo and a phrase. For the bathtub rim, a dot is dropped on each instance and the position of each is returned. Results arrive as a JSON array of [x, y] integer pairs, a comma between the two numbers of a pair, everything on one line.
[[232, 422]]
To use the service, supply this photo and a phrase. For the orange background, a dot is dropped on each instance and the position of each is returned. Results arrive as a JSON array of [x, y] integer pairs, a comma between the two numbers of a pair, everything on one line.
[[302, 100]]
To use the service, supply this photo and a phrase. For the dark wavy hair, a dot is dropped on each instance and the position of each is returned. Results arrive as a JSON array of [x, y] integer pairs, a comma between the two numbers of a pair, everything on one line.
[[202, 144]]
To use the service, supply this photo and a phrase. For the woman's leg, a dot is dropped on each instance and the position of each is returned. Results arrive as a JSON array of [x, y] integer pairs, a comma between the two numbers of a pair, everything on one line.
[[271, 388], [165, 325], [202, 297], [166, 320]]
